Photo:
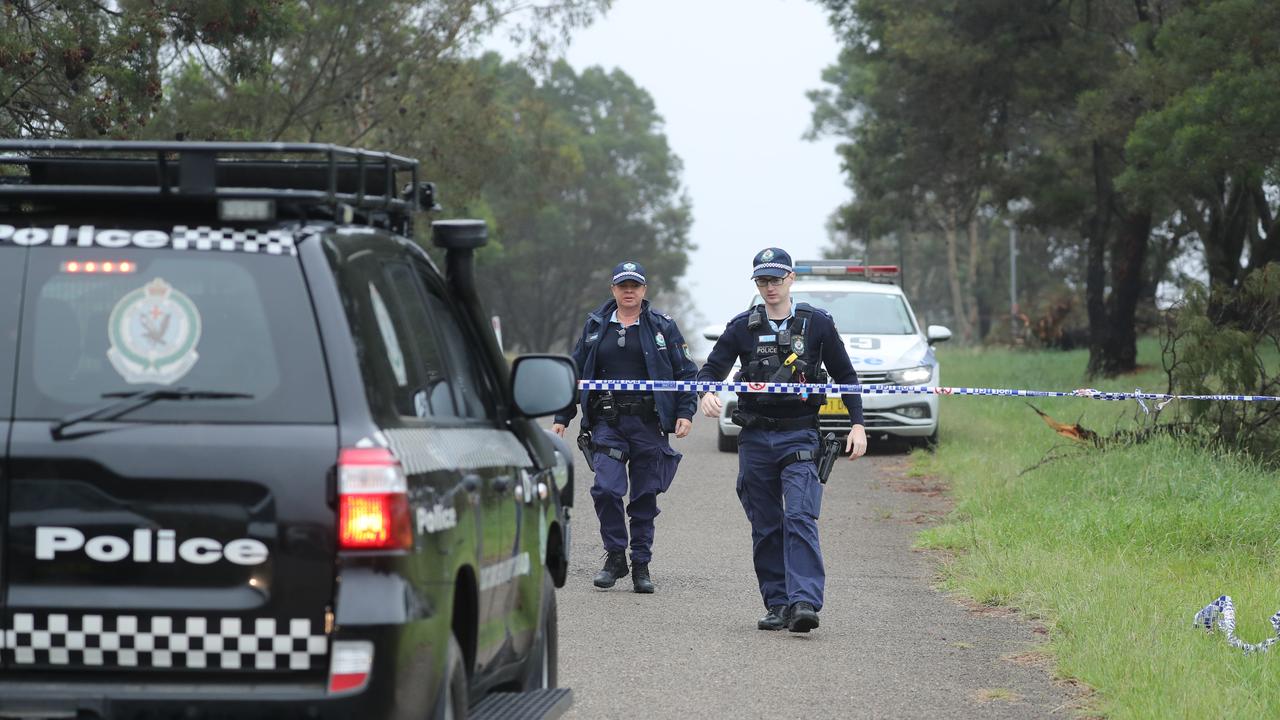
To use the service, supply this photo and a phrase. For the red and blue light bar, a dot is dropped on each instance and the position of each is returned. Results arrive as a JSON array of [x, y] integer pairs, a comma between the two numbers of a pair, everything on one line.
[[840, 268]]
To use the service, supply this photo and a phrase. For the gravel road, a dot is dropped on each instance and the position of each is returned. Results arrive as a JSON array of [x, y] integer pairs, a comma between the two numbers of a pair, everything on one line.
[[890, 645]]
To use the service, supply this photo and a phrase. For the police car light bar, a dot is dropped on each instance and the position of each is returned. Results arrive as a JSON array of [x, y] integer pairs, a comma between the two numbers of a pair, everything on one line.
[[841, 267]]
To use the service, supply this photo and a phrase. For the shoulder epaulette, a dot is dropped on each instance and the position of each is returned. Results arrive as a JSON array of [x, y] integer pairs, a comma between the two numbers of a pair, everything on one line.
[[661, 315], [740, 316]]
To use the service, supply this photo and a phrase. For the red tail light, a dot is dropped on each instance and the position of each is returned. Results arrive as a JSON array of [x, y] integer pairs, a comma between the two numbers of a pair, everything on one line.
[[351, 664], [373, 504]]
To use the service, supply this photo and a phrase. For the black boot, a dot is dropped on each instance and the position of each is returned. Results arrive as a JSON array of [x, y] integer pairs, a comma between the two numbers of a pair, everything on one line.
[[803, 618], [776, 619], [640, 578], [615, 566]]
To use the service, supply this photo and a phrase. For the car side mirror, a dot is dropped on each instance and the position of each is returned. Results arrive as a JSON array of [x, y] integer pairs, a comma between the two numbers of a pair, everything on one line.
[[937, 334], [543, 384]]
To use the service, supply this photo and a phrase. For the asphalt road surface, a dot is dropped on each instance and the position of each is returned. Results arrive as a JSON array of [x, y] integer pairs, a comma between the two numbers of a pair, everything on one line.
[[890, 645]]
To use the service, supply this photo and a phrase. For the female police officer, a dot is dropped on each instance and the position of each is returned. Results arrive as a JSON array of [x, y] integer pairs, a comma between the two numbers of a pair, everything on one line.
[[778, 484], [627, 340]]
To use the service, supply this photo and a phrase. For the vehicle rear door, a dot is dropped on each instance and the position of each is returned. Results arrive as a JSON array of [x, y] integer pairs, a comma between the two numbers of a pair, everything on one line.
[[186, 536]]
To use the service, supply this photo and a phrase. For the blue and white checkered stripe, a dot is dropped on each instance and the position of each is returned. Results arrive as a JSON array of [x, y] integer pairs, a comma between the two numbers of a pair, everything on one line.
[[163, 642], [837, 389], [779, 266], [1223, 612]]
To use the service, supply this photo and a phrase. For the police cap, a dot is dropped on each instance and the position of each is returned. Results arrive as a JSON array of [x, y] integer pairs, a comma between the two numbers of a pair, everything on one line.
[[771, 262], [629, 270]]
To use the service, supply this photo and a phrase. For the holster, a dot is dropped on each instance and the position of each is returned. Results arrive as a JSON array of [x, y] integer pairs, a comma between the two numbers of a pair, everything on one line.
[[589, 448], [585, 445], [824, 459], [829, 451]]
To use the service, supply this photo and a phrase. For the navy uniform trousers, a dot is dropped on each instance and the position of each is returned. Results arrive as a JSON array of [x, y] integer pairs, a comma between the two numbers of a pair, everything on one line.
[[652, 464], [782, 504]]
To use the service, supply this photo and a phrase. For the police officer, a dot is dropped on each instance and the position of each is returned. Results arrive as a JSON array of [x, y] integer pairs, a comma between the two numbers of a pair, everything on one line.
[[781, 341], [625, 339]]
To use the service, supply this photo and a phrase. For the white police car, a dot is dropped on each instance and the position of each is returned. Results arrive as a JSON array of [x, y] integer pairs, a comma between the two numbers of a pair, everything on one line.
[[885, 343]]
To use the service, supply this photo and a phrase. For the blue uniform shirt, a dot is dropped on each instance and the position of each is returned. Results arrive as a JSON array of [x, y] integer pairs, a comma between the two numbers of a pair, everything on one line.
[[738, 343], [621, 363], [666, 357]]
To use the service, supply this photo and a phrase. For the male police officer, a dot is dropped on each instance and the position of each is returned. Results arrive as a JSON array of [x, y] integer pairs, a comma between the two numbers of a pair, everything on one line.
[[627, 340], [781, 341]]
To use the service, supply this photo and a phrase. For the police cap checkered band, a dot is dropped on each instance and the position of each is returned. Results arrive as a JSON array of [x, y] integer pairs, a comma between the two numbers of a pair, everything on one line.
[[629, 270], [771, 262]]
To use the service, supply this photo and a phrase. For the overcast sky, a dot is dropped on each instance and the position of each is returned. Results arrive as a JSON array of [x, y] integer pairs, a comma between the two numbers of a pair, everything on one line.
[[729, 77]]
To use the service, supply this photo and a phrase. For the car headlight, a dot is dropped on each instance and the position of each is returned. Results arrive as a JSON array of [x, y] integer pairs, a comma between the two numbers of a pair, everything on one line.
[[911, 376]]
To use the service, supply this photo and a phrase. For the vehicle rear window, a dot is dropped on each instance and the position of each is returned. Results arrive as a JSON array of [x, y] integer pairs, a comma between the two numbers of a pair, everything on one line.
[[11, 262], [98, 321]]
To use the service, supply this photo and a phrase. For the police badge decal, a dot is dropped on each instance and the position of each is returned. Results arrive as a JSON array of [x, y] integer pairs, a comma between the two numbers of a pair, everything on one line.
[[153, 332]]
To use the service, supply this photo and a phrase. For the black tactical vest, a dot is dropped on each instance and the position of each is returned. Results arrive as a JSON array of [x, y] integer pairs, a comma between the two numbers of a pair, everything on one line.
[[779, 357]]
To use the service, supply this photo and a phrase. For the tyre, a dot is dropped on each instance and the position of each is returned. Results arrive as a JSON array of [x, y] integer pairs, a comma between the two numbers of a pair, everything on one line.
[[453, 702], [929, 443], [726, 443], [544, 661]]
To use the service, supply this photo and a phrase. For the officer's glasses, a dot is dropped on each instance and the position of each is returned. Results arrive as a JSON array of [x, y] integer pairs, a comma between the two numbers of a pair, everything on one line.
[[622, 337], [769, 281]]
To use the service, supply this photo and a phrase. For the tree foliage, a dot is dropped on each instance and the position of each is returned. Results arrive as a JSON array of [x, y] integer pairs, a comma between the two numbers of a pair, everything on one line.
[[1228, 342], [572, 170], [1210, 146], [85, 68], [1125, 130], [586, 180]]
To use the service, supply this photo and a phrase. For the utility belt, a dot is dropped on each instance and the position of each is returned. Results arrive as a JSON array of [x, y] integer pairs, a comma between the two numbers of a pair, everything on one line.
[[609, 407], [752, 420]]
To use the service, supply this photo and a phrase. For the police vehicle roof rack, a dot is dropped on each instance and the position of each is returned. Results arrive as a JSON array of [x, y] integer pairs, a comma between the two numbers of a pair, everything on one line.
[[847, 269], [309, 175]]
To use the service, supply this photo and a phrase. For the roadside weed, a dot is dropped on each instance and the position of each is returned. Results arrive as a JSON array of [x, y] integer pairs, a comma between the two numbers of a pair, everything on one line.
[[1115, 549]]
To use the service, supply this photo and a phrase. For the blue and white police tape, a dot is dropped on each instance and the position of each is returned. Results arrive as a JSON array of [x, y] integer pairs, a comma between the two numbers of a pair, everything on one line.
[[1224, 612], [837, 389]]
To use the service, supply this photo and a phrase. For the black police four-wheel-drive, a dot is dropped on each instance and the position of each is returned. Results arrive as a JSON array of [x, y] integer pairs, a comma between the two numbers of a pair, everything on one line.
[[259, 456]]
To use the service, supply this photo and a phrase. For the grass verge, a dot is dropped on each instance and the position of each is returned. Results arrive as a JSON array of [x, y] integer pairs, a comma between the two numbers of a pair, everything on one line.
[[1116, 550]]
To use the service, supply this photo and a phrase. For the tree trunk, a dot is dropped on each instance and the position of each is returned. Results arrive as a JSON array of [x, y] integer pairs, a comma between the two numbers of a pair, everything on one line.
[[1225, 232], [1119, 347], [1113, 344], [951, 231], [971, 279], [1095, 277]]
